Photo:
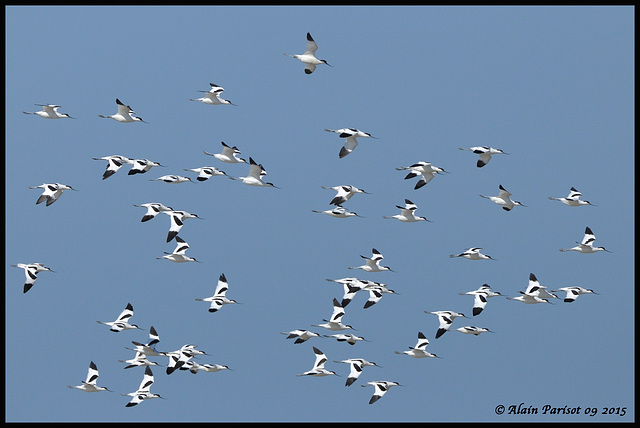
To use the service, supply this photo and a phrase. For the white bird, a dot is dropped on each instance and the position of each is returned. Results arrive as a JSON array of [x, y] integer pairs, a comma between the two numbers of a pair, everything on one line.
[[228, 154], [51, 192], [535, 289], [445, 318], [125, 114], [375, 294], [122, 322], [172, 178], [355, 368], [181, 357], [49, 111], [144, 390], [179, 253], [351, 339], [338, 212], [31, 270], [254, 178], [528, 299], [573, 199], [351, 287], [586, 246], [308, 58], [318, 369], [425, 170], [153, 208], [177, 219], [473, 253], [114, 163], [343, 193], [420, 350], [140, 166], [90, 384], [372, 263], [206, 172], [301, 336], [148, 349], [485, 153], [480, 297], [574, 292], [335, 322], [210, 368], [407, 213], [140, 360], [503, 199], [380, 388], [219, 296], [351, 136], [212, 96], [471, 329]]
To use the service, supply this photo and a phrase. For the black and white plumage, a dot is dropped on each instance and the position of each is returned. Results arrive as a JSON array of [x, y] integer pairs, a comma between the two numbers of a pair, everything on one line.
[[144, 390], [318, 369], [90, 384], [114, 163], [351, 136], [153, 209], [534, 288], [351, 287], [179, 253], [586, 246], [308, 58], [122, 322], [177, 219], [335, 322], [148, 349], [372, 263], [172, 179], [31, 271], [420, 350], [375, 294], [355, 368], [219, 298], [125, 114], [504, 199], [343, 193], [351, 339], [407, 213], [471, 329], [256, 173], [425, 170], [480, 297], [49, 111], [51, 192], [472, 253], [445, 318], [485, 153], [140, 360], [572, 199], [573, 292], [300, 335], [338, 212], [228, 154], [206, 172], [380, 387], [212, 96], [141, 166], [195, 367]]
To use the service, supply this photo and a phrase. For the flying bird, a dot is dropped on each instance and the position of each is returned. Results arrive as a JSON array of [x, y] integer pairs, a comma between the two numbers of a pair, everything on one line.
[[445, 318], [572, 199], [351, 339], [420, 350], [31, 271], [49, 111], [125, 114], [114, 163], [485, 153], [380, 388], [301, 336], [343, 193], [407, 213], [90, 384], [472, 253], [470, 329], [424, 170], [308, 58], [206, 172], [153, 209], [122, 322], [228, 154], [51, 192], [177, 219], [572, 293], [480, 297], [351, 136], [179, 253], [372, 263], [503, 199], [338, 212], [219, 298], [140, 166], [335, 322], [318, 369], [256, 173], [172, 178], [586, 246], [355, 368], [535, 289], [212, 96], [144, 390]]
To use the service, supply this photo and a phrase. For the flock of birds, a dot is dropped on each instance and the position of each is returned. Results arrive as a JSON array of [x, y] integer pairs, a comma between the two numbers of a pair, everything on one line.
[[182, 359]]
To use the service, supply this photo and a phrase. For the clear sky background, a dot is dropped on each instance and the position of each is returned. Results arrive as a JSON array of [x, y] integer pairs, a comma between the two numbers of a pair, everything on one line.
[[552, 86]]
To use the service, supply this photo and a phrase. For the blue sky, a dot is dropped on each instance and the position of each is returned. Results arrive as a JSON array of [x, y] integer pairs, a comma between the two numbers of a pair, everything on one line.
[[552, 86]]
